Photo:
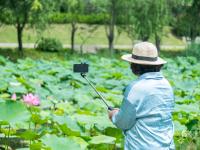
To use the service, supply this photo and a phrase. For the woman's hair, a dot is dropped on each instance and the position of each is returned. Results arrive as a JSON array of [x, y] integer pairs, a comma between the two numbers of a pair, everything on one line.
[[139, 69]]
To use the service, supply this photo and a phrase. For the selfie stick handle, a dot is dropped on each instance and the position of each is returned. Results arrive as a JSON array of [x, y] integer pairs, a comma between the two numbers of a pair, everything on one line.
[[103, 99]]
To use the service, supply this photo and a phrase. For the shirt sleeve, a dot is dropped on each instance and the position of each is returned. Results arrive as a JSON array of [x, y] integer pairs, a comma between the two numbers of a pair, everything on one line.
[[126, 117]]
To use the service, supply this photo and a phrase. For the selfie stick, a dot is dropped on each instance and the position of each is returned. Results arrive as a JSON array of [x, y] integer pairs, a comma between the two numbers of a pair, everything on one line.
[[103, 99]]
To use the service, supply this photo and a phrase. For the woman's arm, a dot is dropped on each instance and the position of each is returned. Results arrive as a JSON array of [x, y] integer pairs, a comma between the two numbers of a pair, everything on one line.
[[125, 117]]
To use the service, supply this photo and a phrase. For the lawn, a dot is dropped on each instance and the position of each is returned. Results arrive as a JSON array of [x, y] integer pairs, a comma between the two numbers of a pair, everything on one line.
[[62, 32]]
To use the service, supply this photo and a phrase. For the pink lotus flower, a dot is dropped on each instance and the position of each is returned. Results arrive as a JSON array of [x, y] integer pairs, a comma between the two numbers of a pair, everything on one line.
[[14, 97], [32, 100]]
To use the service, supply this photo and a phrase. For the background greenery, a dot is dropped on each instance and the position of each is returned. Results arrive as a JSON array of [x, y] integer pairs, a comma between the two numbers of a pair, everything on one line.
[[94, 22], [62, 33]]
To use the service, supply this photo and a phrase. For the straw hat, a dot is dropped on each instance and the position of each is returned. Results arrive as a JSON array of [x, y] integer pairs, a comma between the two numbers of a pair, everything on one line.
[[144, 53]]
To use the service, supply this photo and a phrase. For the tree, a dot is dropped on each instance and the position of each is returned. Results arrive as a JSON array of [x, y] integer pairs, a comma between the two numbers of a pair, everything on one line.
[[128, 21], [74, 8], [142, 20], [1, 12], [20, 11], [187, 22], [146, 18], [112, 11], [23, 12], [85, 33], [159, 19]]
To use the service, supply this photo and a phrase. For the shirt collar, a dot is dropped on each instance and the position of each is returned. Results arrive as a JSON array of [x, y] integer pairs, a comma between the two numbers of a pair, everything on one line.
[[151, 75]]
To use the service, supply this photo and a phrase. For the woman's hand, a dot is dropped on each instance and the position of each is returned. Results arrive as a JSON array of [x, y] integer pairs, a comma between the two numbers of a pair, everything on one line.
[[112, 112]]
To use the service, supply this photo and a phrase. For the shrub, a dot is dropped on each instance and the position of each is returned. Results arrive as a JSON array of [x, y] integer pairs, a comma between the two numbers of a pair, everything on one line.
[[2, 61], [49, 44], [61, 18], [193, 50]]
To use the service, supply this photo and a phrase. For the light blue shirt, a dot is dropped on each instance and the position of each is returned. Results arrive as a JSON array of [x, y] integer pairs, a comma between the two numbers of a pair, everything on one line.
[[145, 115]]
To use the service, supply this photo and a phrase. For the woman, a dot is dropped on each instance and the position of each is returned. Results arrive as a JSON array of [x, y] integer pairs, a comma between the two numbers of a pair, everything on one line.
[[145, 115]]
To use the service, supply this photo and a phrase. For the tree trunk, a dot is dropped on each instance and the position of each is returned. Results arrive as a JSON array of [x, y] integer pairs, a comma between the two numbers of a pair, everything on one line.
[[110, 36], [111, 27], [73, 31], [19, 38], [192, 37], [111, 39], [81, 49], [158, 41], [145, 38]]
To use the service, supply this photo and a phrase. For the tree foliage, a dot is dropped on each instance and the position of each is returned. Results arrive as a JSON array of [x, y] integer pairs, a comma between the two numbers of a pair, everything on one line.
[[140, 19], [145, 18], [112, 10], [22, 12], [187, 19], [74, 8]]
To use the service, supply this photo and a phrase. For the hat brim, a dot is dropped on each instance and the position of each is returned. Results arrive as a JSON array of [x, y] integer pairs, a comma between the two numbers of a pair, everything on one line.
[[128, 57]]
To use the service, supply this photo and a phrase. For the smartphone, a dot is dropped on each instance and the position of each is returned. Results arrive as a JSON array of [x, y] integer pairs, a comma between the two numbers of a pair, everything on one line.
[[81, 68]]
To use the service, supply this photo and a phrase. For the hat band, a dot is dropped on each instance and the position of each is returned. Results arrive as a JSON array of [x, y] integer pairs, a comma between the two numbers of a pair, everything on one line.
[[144, 58]]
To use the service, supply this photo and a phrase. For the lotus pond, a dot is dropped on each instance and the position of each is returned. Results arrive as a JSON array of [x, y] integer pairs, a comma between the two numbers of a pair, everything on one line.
[[71, 116]]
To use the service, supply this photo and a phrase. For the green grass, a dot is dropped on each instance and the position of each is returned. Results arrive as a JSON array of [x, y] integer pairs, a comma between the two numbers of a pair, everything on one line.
[[62, 32], [170, 39]]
